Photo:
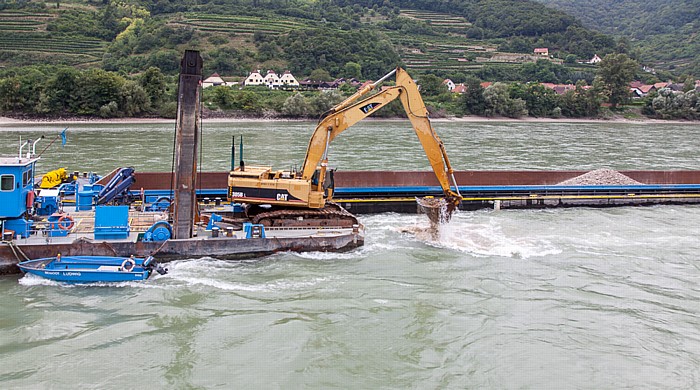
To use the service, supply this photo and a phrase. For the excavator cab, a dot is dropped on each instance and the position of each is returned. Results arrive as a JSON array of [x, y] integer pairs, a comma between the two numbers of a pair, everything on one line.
[[328, 182]]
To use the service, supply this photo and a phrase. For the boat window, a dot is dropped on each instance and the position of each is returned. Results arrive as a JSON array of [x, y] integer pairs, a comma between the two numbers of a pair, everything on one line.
[[7, 182], [27, 176]]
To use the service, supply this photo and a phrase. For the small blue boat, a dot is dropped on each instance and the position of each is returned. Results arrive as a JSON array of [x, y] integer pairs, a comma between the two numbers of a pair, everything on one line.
[[90, 269]]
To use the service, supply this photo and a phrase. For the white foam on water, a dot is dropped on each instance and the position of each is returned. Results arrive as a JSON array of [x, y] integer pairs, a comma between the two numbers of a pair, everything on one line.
[[213, 273], [481, 239], [329, 255], [282, 285], [29, 280]]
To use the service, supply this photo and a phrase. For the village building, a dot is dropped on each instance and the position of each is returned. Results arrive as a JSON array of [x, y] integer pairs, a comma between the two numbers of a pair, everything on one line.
[[640, 90], [288, 80], [449, 84], [459, 88], [255, 78], [271, 80], [542, 51], [595, 59], [213, 81]]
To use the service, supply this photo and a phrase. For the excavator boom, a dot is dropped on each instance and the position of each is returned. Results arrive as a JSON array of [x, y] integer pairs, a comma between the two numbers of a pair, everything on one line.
[[350, 113]]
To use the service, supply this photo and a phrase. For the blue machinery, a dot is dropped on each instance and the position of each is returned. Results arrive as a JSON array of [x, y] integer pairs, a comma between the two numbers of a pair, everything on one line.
[[118, 187], [159, 231]]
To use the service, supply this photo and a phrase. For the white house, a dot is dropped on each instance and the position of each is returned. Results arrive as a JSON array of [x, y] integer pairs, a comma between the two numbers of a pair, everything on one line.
[[255, 78], [288, 79], [595, 59], [271, 80], [213, 81], [449, 84]]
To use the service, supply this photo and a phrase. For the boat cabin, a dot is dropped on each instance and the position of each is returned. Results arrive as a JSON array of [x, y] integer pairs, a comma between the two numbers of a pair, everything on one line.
[[16, 192]]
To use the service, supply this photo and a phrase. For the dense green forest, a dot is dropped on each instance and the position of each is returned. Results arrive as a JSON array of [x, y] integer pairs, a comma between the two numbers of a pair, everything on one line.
[[112, 58], [664, 33]]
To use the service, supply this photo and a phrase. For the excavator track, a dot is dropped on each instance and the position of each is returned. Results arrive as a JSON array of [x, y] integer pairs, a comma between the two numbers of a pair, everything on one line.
[[331, 216]]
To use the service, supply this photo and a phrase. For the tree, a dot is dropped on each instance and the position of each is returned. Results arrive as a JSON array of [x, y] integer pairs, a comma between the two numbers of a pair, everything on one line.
[[540, 101], [352, 70], [320, 75], [499, 102], [133, 99], [472, 101], [167, 61], [60, 90], [248, 101], [295, 106], [153, 82], [96, 88], [431, 85], [615, 73], [323, 102], [669, 104], [581, 102], [223, 97]]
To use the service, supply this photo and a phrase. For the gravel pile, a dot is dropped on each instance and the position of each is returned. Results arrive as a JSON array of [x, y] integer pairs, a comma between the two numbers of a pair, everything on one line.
[[600, 177]]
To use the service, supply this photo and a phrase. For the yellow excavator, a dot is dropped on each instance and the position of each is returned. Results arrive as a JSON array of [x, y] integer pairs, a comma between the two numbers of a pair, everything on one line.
[[304, 198]]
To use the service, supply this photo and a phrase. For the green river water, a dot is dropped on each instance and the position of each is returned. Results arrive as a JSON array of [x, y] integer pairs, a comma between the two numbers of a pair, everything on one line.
[[539, 299]]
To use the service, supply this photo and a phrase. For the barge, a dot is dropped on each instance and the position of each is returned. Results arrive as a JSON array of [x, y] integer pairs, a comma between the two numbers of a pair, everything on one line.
[[367, 192]]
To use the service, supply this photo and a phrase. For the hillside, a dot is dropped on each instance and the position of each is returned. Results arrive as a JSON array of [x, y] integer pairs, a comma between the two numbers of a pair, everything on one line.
[[346, 39], [664, 32]]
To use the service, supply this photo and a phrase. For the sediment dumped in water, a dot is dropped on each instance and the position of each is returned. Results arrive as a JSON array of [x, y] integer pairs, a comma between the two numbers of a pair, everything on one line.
[[438, 210]]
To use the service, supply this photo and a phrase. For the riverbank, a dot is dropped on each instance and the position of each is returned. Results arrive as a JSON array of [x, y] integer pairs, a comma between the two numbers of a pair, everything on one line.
[[8, 122]]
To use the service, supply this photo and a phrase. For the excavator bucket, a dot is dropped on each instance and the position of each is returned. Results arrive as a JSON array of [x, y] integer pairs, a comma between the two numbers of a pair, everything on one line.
[[438, 210]]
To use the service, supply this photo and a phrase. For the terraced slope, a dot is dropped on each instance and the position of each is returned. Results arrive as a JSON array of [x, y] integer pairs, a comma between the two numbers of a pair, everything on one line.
[[15, 20], [24, 39], [237, 24], [437, 19], [449, 49]]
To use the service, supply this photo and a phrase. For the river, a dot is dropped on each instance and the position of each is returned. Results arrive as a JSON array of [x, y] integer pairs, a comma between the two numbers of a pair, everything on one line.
[[562, 298]]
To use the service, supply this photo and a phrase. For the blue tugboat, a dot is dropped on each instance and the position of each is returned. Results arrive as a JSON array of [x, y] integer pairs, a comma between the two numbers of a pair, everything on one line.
[[90, 269]]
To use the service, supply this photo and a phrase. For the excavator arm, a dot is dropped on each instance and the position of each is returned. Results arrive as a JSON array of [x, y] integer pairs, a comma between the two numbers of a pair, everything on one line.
[[349, 112]]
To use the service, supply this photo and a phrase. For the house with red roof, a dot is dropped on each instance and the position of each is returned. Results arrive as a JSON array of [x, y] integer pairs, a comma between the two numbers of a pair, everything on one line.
[[640, 90], [459, 88]]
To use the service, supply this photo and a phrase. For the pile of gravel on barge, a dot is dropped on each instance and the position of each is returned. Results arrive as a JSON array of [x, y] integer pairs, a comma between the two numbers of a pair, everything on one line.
[[600, 177]]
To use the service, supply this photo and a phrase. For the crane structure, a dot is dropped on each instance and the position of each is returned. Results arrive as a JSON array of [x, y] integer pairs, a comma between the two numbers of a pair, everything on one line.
[[298, 197]]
